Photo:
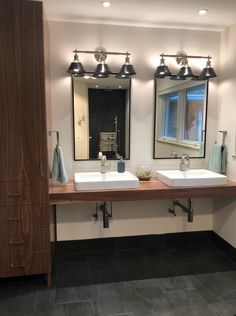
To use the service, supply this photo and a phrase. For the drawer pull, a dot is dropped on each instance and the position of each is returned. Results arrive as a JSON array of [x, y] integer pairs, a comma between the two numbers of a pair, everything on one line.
[[14, 219], [14, 194], [18, 242], [17, 265]]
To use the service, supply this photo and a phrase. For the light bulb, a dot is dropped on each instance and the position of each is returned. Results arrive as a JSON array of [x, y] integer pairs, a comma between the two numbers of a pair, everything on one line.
[[202, 11], [106, 4]]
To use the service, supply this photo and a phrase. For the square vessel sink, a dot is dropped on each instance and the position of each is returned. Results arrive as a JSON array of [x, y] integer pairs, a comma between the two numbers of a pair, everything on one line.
[[108, 180], [190, 178]]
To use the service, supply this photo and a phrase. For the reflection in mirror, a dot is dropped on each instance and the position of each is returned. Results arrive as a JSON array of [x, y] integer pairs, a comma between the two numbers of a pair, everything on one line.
[[101, 113], [180, 118]]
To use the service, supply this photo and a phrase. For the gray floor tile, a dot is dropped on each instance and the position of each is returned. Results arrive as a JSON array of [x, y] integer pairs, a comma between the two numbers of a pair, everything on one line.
[[78, 309], [175, 283], [72, 294], [189, 302], [109, 299], [216, 287], [148, 289], [222, 309], [27, 304], [145, 297]]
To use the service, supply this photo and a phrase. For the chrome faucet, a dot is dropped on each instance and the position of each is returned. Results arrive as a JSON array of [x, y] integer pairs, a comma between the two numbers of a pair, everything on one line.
[[185, 162], [105, 165]]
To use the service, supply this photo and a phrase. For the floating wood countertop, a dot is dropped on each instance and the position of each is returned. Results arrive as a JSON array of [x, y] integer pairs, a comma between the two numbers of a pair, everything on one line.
[[147, 190]]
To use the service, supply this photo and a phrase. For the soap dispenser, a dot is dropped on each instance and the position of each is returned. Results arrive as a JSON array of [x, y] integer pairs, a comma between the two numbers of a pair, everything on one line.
[[121, 165]]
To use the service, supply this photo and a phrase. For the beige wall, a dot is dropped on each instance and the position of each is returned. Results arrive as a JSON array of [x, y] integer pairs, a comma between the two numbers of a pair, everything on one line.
[[145, 45], [225, 210]]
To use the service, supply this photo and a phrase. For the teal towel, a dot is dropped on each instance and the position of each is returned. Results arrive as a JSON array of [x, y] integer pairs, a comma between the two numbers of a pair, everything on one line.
[[58, 166], [215, 159], [218, 159]]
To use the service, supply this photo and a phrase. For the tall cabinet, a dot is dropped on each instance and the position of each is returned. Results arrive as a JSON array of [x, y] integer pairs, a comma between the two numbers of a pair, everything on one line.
[[24, 216]]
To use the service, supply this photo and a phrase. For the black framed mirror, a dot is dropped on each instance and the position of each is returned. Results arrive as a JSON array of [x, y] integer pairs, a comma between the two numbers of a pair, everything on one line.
[[180, 118], [101, 117]]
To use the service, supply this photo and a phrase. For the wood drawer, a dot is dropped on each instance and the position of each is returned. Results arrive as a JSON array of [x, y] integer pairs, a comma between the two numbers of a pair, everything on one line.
[[24, 264], [24, 217], [23, 193], [28, 241]]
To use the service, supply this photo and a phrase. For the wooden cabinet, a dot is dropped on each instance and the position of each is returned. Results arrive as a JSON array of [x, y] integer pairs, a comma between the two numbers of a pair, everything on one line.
[[24, 218]]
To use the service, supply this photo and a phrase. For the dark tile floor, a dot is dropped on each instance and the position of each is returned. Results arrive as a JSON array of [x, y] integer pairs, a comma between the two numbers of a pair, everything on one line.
[[138, 276]]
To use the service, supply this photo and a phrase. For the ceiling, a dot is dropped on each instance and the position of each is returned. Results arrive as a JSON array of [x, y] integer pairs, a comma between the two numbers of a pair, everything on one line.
[[146, 13]]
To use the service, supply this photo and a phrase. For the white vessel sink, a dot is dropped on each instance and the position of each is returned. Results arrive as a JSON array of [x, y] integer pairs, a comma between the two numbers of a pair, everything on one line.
[[190, 178], [108, 180]]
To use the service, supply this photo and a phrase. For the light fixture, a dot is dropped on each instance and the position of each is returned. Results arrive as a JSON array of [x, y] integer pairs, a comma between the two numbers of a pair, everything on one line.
[[102, 69], [202, 11], [208, 72], [106, 4], [126, 70], [185, 71], [162, 70], [76, 68]]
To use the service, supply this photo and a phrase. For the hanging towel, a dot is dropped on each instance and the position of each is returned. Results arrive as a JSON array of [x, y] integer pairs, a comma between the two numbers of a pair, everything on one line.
[[58, 166], [217, 162], [215, 158]]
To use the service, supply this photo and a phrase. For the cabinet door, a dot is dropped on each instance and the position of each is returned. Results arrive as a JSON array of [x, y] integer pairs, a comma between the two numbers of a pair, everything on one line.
[[10, 90], [23, 143], [34, 143]]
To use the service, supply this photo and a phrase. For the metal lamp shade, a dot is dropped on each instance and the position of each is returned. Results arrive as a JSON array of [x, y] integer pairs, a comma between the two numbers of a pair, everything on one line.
[[207, 73], [126, 70], [102, 71], [185, 71], [76, 69], [162, 71]]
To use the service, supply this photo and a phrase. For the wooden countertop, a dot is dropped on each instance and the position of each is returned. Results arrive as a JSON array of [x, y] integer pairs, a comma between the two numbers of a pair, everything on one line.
[[147, 190]]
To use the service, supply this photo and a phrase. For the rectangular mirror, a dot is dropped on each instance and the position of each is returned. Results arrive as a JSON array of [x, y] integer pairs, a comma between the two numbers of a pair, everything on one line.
[[180, 118], [101, 115]]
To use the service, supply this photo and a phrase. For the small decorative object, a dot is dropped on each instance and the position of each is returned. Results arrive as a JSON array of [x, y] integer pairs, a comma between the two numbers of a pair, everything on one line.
[[144, 172]]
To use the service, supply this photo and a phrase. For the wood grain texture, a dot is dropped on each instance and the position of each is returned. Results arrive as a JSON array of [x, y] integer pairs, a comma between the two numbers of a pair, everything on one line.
[[23, 141], [25, 264], [24, 241], [23, 193], [23, 150], [24, 217], [147, 190]]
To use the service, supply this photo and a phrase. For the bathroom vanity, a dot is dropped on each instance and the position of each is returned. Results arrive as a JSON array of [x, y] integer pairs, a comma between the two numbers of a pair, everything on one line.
[[147, 190]]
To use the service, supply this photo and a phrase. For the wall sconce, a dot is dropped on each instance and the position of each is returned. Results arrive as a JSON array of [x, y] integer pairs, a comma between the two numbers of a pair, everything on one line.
[[185, 71], [102, 69]]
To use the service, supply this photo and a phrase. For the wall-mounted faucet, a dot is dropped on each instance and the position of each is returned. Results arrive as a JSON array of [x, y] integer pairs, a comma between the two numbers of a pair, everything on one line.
[[184, 162]]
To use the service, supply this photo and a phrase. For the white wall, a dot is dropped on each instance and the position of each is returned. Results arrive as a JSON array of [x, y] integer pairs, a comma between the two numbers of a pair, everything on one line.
[[225, 210], [145, 45]]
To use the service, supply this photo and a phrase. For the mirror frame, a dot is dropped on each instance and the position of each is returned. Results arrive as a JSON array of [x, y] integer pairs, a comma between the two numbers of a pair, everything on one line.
[[155, 125], [73, 118]]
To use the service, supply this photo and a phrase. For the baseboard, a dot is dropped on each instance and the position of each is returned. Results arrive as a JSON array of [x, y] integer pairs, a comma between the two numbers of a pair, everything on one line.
[[137, 241], [223, 245]]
